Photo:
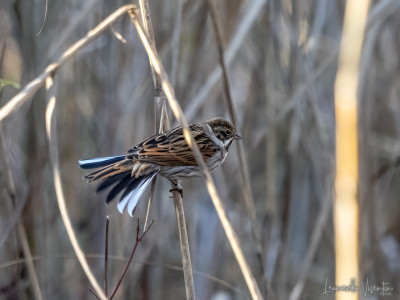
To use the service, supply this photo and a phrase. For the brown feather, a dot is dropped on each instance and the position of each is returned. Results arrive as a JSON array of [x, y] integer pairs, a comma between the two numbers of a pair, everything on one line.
[[171, 149]]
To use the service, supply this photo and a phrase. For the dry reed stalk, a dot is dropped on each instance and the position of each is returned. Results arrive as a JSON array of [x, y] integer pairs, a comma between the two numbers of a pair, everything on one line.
[[180, 219], [175, 41], [148, 27], [244, 169], [34, 85], [53, 151], [160, 103], [176, 109], [31, 88], [346, 211], [106, 257], [20, 226], [318, 229], [171, 267], [184, 242], [12, 193], [251, 10]]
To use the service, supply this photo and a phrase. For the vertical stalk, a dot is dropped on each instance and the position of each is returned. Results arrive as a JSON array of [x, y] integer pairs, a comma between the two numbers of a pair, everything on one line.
[[160, 103], [184, 241], [346, 209]]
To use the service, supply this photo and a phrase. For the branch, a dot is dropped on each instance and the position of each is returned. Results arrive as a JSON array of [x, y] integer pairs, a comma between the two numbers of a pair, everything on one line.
[[138, 240]]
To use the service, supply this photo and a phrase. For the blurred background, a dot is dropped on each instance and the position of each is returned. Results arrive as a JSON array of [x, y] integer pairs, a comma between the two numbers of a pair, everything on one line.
[[282, 57]]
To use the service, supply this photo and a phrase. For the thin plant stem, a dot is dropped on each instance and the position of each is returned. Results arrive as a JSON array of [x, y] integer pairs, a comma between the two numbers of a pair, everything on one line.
[[244, 169], [31, 88], [20, 226], [184, 242], [148, 26], [176, 109], [251, 10], [138, 240], [319, 227], [100, 256], [152, 190], [34, 85], [94, 294], [53, 150], [160, 103], [106, 258]]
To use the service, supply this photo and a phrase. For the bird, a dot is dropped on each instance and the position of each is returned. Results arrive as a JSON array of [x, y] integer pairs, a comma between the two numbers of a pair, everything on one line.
[[166, 154]]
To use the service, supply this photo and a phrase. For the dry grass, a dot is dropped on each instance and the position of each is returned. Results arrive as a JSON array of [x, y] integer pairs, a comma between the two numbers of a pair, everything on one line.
[[282, 58]]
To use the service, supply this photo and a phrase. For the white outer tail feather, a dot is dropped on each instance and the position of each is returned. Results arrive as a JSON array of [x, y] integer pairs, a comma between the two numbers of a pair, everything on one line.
[[132, 199], [98, 162]]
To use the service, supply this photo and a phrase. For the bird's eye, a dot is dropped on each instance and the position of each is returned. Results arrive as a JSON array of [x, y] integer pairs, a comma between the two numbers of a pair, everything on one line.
[[228, 132]]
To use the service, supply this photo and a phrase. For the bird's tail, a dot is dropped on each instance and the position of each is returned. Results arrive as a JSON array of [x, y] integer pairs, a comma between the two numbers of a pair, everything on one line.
[[124, 175]]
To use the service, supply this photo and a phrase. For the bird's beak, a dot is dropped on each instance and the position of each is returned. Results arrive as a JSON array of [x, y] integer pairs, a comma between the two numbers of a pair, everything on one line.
[[237, 137]]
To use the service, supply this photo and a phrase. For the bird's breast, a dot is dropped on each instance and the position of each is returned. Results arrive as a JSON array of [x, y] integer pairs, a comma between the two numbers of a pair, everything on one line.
[[176, 172]]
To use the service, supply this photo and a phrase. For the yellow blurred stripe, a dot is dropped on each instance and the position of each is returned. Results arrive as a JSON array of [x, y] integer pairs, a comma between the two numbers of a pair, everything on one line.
[[346, 205]]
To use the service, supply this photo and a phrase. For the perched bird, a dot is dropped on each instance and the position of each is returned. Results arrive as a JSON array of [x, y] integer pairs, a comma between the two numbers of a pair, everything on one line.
[[166, 154]]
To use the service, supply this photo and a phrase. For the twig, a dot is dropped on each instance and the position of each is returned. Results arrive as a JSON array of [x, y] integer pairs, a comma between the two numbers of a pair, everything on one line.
[[138, 240], [31, 88], [94, 294], [106, 258], [53, 151], [176, 109]]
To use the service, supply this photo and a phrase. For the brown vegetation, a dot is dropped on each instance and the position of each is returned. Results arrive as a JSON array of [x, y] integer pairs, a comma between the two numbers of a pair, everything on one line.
[[281, 57]]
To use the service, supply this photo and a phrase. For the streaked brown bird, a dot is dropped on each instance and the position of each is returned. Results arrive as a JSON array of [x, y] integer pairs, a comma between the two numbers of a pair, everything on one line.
[[166, 154]]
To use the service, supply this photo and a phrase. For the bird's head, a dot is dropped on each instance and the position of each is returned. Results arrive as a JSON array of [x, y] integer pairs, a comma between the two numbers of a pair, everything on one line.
[[224, 131]]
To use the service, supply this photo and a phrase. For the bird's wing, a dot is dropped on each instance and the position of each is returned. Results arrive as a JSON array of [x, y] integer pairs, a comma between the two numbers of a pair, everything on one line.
[[171, 149]]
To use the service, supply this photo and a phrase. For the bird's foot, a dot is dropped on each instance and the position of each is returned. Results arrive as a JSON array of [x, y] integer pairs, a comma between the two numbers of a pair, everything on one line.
[[176, 187]]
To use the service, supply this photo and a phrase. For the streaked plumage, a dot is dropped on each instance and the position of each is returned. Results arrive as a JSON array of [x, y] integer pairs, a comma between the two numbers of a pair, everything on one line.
[[166, 154]]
